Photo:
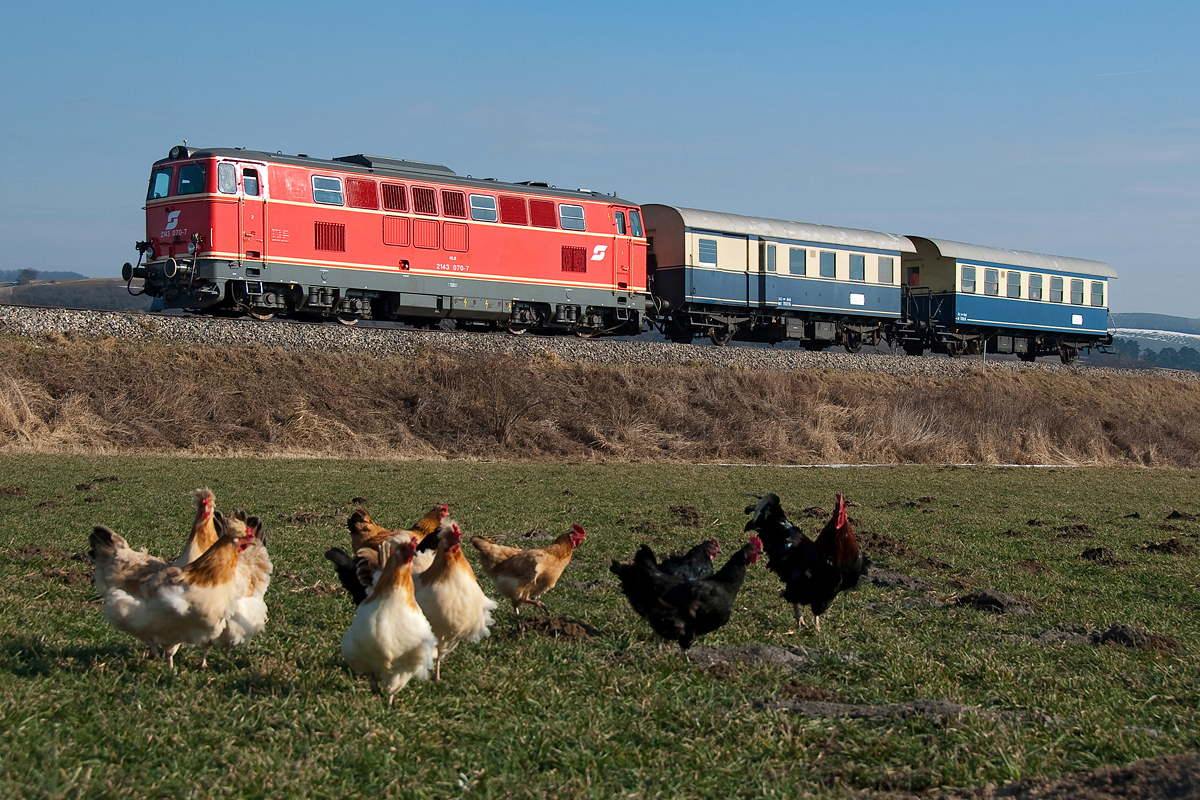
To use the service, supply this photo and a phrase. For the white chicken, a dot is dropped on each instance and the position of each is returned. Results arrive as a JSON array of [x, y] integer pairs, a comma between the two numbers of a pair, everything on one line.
[[390, 640], [446, 590], [248, 616]]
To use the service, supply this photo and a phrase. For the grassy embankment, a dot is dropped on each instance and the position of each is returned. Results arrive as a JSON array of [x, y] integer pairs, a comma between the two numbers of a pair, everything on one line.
[[86, 715]]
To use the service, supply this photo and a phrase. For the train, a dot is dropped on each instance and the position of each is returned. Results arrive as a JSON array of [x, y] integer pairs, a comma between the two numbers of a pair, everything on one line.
[[236, 232]]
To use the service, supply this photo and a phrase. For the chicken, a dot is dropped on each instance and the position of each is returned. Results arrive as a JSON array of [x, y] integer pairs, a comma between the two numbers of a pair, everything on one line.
[[365, 534], [249, 613], [525, 575], [689, 609], [204, 532], [390, 640], [170, 606], [646, 579], [813, 572], [448, 593]]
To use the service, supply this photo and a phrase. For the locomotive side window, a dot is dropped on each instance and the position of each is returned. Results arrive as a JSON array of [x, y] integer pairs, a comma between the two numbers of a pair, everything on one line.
[[191, 179], [858, 267], [250, 182], [887, 272], [968, 280], [1097, 293], [541, 214], [424, 201], [395, 198], [991, 282], [327, 190], [160, 184], [1076, 292], [770, 258], [571, 217], [226, 178], [828, 264], [454, 204], [708, 252], [1014, 283], [796, 260], [635, 222], [483, 208], [619, 219], [1035, 287], [361, 193], [1056, 290]]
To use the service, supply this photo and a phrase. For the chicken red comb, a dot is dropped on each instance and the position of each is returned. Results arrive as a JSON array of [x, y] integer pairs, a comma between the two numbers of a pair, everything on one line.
[[445, 511], [841, 510], [577, 534], [756, 542]]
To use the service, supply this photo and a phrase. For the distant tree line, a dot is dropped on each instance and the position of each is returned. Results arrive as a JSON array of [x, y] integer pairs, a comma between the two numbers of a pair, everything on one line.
[[25, 276], [1129, 350]]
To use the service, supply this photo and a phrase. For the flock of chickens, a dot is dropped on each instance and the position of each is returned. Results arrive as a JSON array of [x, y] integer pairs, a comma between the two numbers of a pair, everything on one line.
[[417, 598]]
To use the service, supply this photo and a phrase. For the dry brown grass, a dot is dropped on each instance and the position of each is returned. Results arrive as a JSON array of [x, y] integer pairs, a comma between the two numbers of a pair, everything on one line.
[[74, 395]]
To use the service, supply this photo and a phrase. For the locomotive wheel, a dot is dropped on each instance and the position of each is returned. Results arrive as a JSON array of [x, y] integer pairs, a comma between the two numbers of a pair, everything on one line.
[[517, 330], [1067, 354], [721, 336], [585, 334], [347, 319], [852, 341], [261, 316]]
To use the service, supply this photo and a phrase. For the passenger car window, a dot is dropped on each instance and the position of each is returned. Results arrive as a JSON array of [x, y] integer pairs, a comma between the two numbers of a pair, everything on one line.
[[191, 179], [226, 178], [571, 217], [828, 264], [1014, 283], [887, 272], [770, 258], [327, 190], [1056, 290], [483, 208], [968, 280], [991, 282], [160, 184], [1035, 287], [1097, 293], [708, 252], [858, 267], [796, 260], [1076, 292]]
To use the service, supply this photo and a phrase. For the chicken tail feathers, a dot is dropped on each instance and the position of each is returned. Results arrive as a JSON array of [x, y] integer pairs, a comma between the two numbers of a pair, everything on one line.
[[347, 572], [103, 545]]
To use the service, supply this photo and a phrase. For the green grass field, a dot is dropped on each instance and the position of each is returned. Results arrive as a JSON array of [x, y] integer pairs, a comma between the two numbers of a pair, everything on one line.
[[84, 713]]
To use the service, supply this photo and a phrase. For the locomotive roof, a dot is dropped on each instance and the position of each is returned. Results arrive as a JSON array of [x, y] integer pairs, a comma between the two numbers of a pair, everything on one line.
[[787, 229], [385, 167], [1019, 258]]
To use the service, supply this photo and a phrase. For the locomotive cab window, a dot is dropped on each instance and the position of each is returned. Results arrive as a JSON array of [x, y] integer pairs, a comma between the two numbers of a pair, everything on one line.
[[160, 184], [191, 179], [483, 208], [1097, 293], [327, 190], [991, 282], [1056, 290], [635, 222], [1014, 283], [858, 267], [796, 260], [250, 182], [828, 264], [619, 219], [886, 270], [226, 178], [968, 280], [1035, 287], [1076, 292], [571, 217]]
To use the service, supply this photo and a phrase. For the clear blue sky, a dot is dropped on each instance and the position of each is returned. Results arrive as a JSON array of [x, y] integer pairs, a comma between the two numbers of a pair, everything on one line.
[[1070, 128]]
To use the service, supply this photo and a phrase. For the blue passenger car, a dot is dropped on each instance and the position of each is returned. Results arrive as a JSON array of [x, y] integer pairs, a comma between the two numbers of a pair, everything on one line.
[[964, 298], [768, 280]]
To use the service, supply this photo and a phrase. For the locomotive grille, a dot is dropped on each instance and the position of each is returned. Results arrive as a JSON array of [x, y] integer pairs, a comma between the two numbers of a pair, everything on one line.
[[394, 197], [361, 193], [512, 210], [454, 204], [425, 233], [330, 236], [454, 236], [541, 213], [574, 259], [395, 230], [424, 200]]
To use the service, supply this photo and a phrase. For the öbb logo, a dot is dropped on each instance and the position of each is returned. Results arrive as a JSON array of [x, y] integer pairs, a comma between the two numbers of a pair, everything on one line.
[[172, 221], [599, 251]]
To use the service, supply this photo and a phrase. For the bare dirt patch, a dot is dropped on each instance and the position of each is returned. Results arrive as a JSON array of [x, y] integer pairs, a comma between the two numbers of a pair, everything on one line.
[[1183, 515], [1138, 639], [1102, 555], [753, 654], [555, 628], [1172, 546], [888, 580], [1174, 777], [13, 491], [1028, 566], [934, 710], [1074, 532], [70, 577], [996, 602], [687, 515]]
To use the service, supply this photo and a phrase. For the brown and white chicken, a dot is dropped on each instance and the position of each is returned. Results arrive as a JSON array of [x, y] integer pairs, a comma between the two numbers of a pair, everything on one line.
[[204, 531], [525, 575], [366, 536]]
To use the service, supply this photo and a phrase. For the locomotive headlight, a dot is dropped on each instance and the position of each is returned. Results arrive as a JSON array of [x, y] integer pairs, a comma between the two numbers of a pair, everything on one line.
[[191, 248]]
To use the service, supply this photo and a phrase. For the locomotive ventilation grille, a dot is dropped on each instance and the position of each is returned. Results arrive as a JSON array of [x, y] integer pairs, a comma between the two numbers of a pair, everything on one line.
[[574, 259], [330, 236]]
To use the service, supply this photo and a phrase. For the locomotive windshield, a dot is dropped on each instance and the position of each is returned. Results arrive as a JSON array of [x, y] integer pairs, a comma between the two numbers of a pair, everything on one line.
[[160, 183], [191, 179]]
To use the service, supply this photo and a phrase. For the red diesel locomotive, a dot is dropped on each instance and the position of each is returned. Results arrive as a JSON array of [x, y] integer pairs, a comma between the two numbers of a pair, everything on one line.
[[363, 237]]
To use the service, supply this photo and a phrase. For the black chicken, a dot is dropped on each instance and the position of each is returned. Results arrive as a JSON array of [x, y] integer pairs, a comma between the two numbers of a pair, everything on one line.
[[694, 564], [688, 609], [813, 573]]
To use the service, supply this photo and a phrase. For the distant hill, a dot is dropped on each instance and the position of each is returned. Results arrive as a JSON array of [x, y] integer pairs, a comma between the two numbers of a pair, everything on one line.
[[10, 275], [104, 294], [1156, 322]]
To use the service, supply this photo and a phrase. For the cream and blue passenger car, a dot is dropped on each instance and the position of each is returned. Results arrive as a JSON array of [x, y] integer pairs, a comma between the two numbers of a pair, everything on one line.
[[769, 280], [962, 298]]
